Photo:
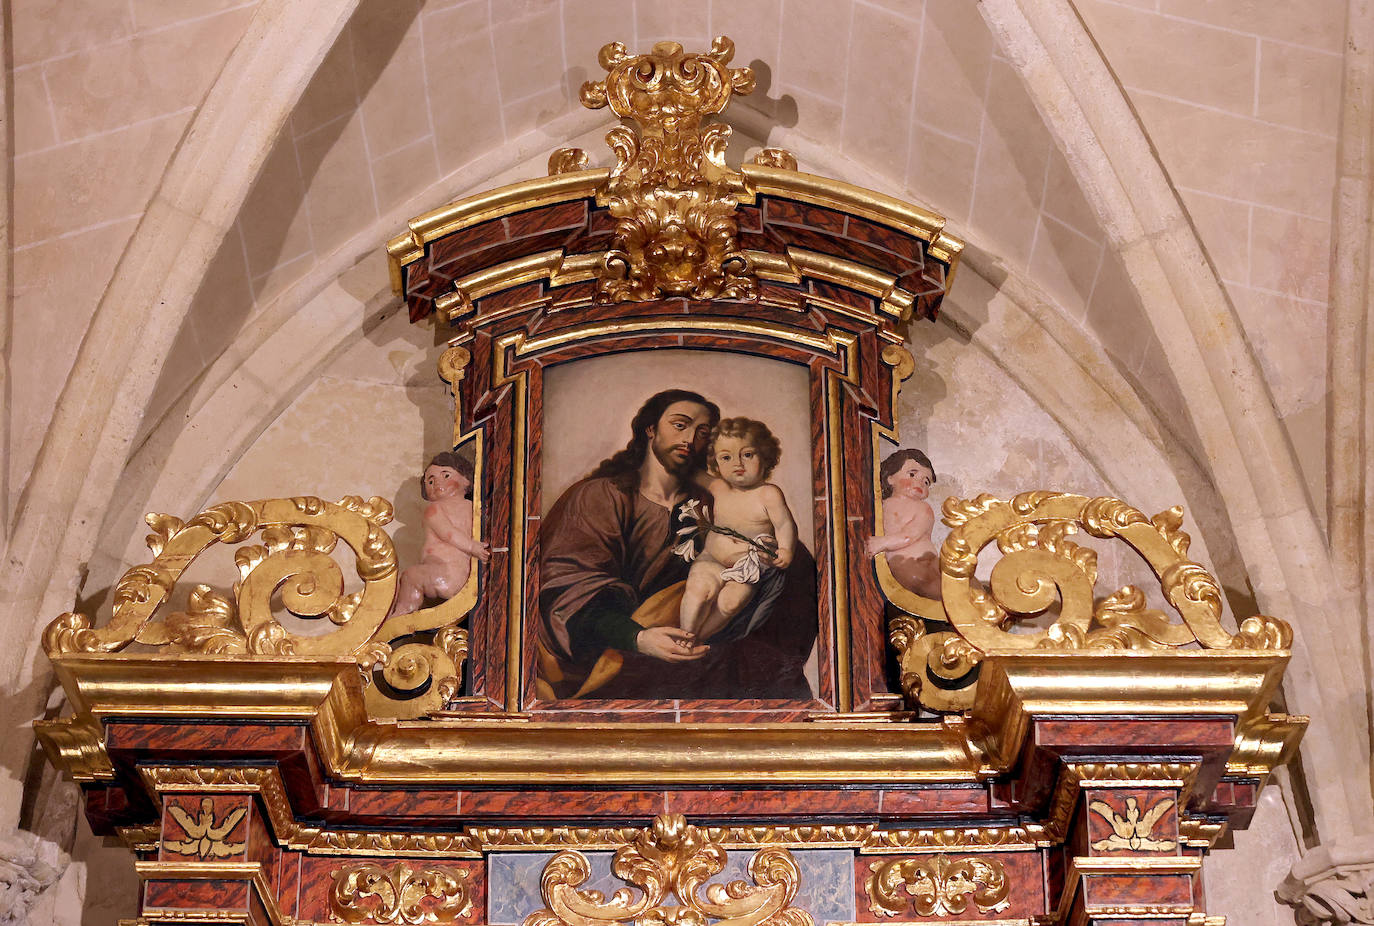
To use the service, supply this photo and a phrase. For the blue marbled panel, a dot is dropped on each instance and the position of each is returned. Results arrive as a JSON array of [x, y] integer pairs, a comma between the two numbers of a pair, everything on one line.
[[827, 882]]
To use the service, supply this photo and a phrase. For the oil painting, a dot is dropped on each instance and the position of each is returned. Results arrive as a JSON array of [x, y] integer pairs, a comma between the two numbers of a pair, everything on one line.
[[675, 546]]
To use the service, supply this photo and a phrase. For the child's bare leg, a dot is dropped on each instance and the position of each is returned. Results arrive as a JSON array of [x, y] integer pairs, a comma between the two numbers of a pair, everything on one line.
[[703, 581], [729, 601], [409, 595]]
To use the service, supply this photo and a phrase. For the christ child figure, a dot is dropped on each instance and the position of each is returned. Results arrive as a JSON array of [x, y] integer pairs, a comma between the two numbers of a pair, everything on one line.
[[908, 519], [752, 528], [446, 560]]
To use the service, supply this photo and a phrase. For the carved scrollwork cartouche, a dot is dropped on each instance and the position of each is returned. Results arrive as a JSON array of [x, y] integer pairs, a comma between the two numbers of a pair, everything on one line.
[[671, 864], [295, 563], [399, 894], [936, 886], [1044, 573], [671, 193]]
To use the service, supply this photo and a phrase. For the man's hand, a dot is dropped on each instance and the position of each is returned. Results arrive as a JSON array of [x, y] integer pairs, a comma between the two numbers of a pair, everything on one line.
[[671, 644]]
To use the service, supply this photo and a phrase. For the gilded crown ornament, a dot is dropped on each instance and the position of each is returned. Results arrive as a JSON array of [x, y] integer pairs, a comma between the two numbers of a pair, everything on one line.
[[671, 193]]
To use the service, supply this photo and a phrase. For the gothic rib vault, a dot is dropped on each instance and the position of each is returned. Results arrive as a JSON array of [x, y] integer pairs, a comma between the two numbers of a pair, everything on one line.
[[57, 473]]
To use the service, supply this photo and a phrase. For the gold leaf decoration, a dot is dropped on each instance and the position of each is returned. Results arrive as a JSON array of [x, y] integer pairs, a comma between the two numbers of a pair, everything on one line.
[[567, 160], [399, 894], [294, 559], [936, 886], [1042, 573], [776, 157], [671, 864], [670, 191]]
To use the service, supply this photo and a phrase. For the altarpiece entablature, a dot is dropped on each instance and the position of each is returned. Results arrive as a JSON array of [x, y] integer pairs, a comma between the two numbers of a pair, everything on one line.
[[730, 638]]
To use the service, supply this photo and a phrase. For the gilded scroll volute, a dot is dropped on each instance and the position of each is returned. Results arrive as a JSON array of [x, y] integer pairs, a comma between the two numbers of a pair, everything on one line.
[[1044, 573], [671, 192]]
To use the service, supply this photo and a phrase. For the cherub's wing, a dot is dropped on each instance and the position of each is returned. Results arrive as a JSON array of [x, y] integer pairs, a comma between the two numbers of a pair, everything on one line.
[[191, 827], [227, 826], [185, 847], [1152, 816], [1106, 812], [222, 849]]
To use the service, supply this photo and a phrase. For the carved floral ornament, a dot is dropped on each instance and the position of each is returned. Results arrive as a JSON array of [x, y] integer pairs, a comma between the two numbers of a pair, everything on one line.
[[671, 864], [936, 885], [671, 193], [399, 893]]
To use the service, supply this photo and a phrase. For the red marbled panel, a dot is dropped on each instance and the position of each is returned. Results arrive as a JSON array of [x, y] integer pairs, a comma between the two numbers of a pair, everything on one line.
[[257, 912], [453, 246], [529, 292], [801, 237], [749, 218], [548, 218], [1113, 890], [207, 814], [177, 740], [1127, 736], [196, 895], [729, 715], [584, 711], [289, 891], [910, 249], [477, 804], [756, 803], [885, 261], [784, 211], [1023, 872], [928, 801], [842, 295], [402, 804], [575, 292]]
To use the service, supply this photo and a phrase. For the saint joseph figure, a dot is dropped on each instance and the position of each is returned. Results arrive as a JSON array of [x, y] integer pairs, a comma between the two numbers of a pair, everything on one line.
[[610, 582]]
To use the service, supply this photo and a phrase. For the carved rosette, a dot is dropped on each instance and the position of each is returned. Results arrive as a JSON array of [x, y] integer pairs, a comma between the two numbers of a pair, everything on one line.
[[671, 193], [936, 886], [671, 864]]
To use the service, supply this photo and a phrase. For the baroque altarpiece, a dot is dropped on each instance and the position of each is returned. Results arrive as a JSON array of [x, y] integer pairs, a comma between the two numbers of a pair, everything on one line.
[[716, 673]]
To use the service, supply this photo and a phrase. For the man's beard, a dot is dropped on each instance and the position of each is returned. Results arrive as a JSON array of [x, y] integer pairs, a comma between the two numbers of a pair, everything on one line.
[[679, 468]]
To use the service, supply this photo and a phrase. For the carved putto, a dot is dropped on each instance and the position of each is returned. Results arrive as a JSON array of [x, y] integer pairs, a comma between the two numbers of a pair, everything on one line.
[[670, 191]]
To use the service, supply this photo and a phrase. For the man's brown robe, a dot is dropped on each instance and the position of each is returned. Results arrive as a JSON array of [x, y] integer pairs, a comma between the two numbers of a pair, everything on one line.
[[603, 551]]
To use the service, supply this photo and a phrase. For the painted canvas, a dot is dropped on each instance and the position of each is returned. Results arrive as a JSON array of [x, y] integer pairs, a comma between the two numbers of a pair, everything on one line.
[[675, 546]]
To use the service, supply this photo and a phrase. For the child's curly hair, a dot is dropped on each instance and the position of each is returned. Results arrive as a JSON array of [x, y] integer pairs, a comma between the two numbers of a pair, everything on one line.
[[755, 433]]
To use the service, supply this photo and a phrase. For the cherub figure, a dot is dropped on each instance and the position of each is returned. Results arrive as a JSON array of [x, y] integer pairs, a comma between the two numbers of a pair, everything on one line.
[[449, 546], [752, 529], [206, 839], [908, 519]]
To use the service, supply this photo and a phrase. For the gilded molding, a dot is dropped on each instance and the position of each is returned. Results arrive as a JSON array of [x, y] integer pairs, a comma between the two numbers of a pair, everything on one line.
[[398, 894], [250, 872], [672, 863], [936, 886]]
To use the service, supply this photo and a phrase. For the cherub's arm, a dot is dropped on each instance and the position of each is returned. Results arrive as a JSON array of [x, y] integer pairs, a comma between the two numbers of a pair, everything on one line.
[[903, 525], [784, 526], [451, 522]]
